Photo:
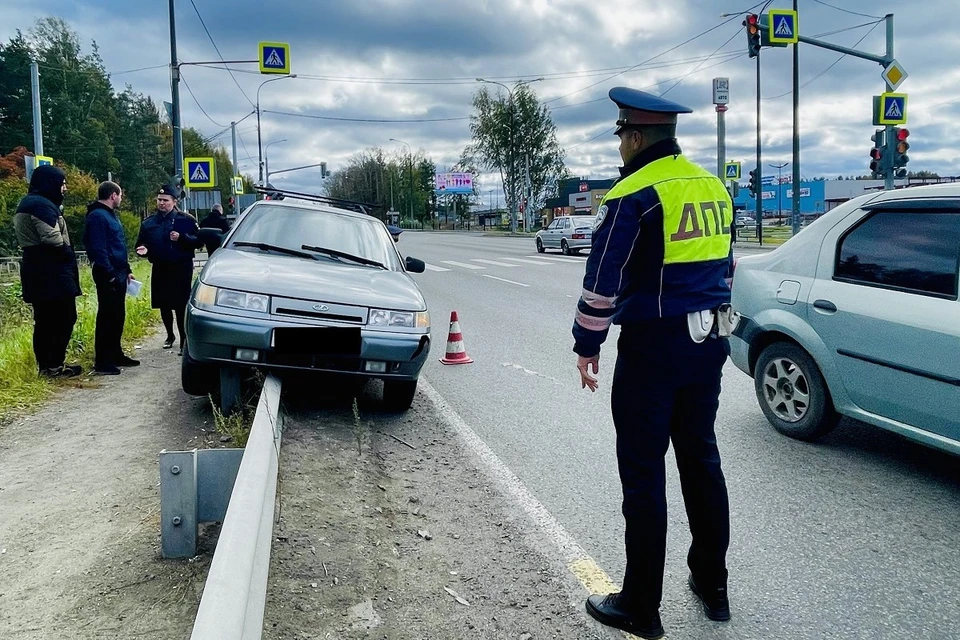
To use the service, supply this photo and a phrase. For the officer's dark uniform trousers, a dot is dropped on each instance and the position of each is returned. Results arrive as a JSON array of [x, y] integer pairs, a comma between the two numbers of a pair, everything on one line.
[[667, 387]]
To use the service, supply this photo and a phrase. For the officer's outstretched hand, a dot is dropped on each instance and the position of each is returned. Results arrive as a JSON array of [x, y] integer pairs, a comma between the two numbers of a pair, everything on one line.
[[583, 364]]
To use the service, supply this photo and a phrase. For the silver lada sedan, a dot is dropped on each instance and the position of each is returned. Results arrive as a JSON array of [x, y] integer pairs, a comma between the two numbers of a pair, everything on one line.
[[303, 286]]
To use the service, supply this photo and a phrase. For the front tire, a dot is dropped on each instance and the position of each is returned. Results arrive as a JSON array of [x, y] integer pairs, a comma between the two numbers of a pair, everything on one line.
[[540, 248], [196, 378], [398, 395], [792, 392]]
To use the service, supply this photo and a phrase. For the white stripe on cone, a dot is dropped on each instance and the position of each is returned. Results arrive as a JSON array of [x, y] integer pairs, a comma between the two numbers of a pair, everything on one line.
[[454, 348]]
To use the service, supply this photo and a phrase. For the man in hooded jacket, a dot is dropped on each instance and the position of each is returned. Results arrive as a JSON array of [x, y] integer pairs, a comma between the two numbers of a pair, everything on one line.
[[48, 272]]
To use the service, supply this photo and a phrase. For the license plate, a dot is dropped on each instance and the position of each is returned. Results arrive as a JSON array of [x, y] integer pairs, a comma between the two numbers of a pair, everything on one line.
[[340, 341]]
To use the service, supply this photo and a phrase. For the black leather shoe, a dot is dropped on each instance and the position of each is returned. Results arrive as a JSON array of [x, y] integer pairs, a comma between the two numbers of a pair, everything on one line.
[[168, 343], [106, 370], [612, 611], [715, 603], [127, 361]]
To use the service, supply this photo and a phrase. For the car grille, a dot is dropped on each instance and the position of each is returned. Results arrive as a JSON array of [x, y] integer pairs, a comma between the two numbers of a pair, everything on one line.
[[321, 311]]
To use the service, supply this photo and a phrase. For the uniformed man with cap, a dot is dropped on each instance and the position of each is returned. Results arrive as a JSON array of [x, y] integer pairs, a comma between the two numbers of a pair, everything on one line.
[[660, 255], [168, 239]]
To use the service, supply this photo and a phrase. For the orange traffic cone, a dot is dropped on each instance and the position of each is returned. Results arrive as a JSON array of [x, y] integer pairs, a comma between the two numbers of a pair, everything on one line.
[[456, 353]]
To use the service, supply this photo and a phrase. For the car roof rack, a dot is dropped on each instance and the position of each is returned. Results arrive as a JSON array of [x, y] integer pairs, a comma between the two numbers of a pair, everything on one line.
[[350, 205]]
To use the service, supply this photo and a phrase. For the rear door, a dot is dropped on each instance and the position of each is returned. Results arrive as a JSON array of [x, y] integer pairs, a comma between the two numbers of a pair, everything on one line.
[[885, 303]]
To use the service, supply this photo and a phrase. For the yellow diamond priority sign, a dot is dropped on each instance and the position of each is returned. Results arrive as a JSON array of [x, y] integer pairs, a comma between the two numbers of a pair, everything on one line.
[[894, 75]]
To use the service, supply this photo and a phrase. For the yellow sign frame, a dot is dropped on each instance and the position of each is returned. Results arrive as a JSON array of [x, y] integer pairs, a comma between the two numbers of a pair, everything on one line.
[[774, 38], [883, 109], [262, 57], [211, 181], [726, 171]]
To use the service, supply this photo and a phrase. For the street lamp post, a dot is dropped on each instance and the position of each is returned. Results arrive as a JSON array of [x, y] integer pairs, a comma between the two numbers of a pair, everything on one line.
[[266, 160], [259, 142], [510, 154], [410, 160], [779, 168]]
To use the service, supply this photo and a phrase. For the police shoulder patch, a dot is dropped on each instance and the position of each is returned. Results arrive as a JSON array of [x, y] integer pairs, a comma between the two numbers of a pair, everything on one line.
[[601, 216]]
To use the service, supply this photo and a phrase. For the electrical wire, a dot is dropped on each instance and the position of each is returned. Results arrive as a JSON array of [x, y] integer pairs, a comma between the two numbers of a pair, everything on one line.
[[854, 13], [184, 80], [831, 66], [368, 120], [697, 68], [219, 55]]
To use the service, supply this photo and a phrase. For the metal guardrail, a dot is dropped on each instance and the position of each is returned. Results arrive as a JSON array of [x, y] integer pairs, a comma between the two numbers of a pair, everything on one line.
[[236, 588]]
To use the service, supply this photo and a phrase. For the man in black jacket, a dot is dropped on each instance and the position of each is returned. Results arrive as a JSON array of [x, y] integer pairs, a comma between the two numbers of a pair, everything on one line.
[[212, 229], [168, 239], [48, 271], [106, 247]]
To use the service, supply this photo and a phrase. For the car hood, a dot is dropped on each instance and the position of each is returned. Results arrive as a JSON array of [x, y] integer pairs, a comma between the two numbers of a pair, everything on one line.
[[321, 280]]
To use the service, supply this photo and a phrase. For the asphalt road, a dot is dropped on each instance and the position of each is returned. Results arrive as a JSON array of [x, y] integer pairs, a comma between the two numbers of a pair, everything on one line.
[[857, 536]]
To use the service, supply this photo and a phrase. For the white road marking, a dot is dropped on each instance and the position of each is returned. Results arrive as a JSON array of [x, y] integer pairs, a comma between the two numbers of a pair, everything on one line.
[[578, 562], [494, 263], [559, 259], [463, 265], [433, 267], [487, 275], [525, 261], [520, 367]]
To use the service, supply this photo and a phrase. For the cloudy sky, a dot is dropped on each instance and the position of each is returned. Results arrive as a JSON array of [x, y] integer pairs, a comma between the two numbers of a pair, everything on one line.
[[373, 70]]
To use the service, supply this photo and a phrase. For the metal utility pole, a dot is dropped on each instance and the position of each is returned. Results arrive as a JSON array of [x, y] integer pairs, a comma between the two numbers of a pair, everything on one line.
[[759, 169], [888, 129], [779, 168], [37, 123], [795, 206], [233, 132], [175, 99], [721, 97]]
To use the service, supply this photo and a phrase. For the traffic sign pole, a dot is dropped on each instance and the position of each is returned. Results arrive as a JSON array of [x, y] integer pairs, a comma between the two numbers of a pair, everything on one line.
[[37, 122], [795, 204], [888, 129]]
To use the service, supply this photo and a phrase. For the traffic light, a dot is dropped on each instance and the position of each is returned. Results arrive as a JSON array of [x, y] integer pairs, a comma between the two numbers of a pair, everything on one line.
[[753, 34], [754, 185], [323, 170], [878, 165], [900, 157]]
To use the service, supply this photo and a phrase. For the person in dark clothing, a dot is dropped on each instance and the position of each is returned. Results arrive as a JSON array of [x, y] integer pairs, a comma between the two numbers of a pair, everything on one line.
[[212, 229], [48, 271], [106, 247], [168, 239]]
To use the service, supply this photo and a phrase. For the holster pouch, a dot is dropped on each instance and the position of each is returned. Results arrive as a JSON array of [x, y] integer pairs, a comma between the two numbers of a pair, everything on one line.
[[700, 324], [727, 320]]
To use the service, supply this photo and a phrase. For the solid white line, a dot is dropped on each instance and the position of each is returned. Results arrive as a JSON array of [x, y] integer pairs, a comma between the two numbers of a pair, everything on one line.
[[494, 263], [461, 264], [559, 259], [525, 261], [487, 275], [432, 267], [508, 482]]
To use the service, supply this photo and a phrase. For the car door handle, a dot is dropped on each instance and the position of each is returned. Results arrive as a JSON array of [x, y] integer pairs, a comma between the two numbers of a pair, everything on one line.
[[825, 305]]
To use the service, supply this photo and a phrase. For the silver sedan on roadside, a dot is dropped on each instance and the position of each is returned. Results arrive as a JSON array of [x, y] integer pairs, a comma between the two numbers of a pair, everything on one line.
[[570, 234]]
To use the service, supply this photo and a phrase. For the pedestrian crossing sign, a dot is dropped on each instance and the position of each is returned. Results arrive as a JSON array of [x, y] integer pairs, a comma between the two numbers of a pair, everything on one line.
[[274, 57], [890, 108], [238, 185], [732, 171], [199, 172], [42, 160], [783, 26]]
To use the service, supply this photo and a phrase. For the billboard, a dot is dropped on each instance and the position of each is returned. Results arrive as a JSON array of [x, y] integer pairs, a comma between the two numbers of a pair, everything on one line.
[[454, 183]]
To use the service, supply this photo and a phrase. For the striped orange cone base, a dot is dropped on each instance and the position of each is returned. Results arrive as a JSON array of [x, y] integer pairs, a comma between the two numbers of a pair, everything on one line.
[[456, 353]]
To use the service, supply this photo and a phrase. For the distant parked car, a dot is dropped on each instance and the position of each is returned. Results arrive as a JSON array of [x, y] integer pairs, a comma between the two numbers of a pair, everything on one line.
[[858, 315], [305, 287], [570, 234]]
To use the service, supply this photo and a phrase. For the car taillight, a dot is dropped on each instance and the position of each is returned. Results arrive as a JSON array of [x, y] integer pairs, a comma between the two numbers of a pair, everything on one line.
[[579, 236]]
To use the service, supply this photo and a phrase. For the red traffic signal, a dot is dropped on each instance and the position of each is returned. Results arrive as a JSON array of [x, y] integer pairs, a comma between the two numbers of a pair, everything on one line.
[[752, 21], [876, 154], [902, 134]]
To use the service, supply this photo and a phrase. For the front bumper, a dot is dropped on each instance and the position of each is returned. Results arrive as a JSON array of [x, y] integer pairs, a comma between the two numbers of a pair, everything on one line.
[[215, 338]]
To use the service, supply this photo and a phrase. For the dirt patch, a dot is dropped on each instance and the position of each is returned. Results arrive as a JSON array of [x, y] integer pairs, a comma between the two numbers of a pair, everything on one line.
[[80, 504], [389, 530]]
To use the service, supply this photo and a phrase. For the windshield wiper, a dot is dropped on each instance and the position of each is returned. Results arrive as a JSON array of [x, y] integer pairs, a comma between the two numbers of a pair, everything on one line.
[[345, 256], [263, 246]]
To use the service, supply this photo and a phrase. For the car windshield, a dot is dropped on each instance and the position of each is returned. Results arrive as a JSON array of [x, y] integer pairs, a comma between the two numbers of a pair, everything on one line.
[[291, 228]]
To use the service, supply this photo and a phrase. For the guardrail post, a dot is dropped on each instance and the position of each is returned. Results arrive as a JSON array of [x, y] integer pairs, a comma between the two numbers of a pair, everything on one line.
[[178, 504]]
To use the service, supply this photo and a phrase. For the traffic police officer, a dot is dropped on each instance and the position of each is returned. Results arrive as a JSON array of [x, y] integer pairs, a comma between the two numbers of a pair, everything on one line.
[[661, 251]]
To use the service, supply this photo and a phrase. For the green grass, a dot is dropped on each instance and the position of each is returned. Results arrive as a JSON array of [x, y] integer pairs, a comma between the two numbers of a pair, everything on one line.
[[21, 388]]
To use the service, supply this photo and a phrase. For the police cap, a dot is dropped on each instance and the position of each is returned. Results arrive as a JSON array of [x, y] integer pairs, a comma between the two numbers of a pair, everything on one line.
[[638, 109], [167, 190]]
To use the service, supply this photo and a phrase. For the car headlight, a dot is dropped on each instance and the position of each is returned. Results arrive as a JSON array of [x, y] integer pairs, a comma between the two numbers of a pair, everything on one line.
[[409, 319], [242, 300], [207, 297]]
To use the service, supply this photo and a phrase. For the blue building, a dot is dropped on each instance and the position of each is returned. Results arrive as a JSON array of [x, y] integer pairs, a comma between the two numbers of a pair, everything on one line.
[[777, 198]]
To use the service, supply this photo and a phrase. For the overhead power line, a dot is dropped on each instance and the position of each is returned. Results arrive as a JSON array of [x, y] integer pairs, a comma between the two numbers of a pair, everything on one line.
[[220, 55], [190, 91], [853, 13]]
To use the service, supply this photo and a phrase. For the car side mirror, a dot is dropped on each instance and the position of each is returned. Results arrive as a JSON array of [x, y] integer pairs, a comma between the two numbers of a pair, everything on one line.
[[415, 266]]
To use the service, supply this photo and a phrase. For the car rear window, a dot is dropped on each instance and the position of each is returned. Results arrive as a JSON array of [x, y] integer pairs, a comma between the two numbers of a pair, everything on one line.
[[917, 252], [584, 223]]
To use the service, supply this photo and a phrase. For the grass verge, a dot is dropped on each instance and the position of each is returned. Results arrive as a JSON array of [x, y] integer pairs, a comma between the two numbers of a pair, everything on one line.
[[21, 388]]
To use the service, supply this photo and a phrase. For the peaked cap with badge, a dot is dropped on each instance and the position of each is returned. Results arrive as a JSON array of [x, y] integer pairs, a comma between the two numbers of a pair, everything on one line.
[[638, 109]]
